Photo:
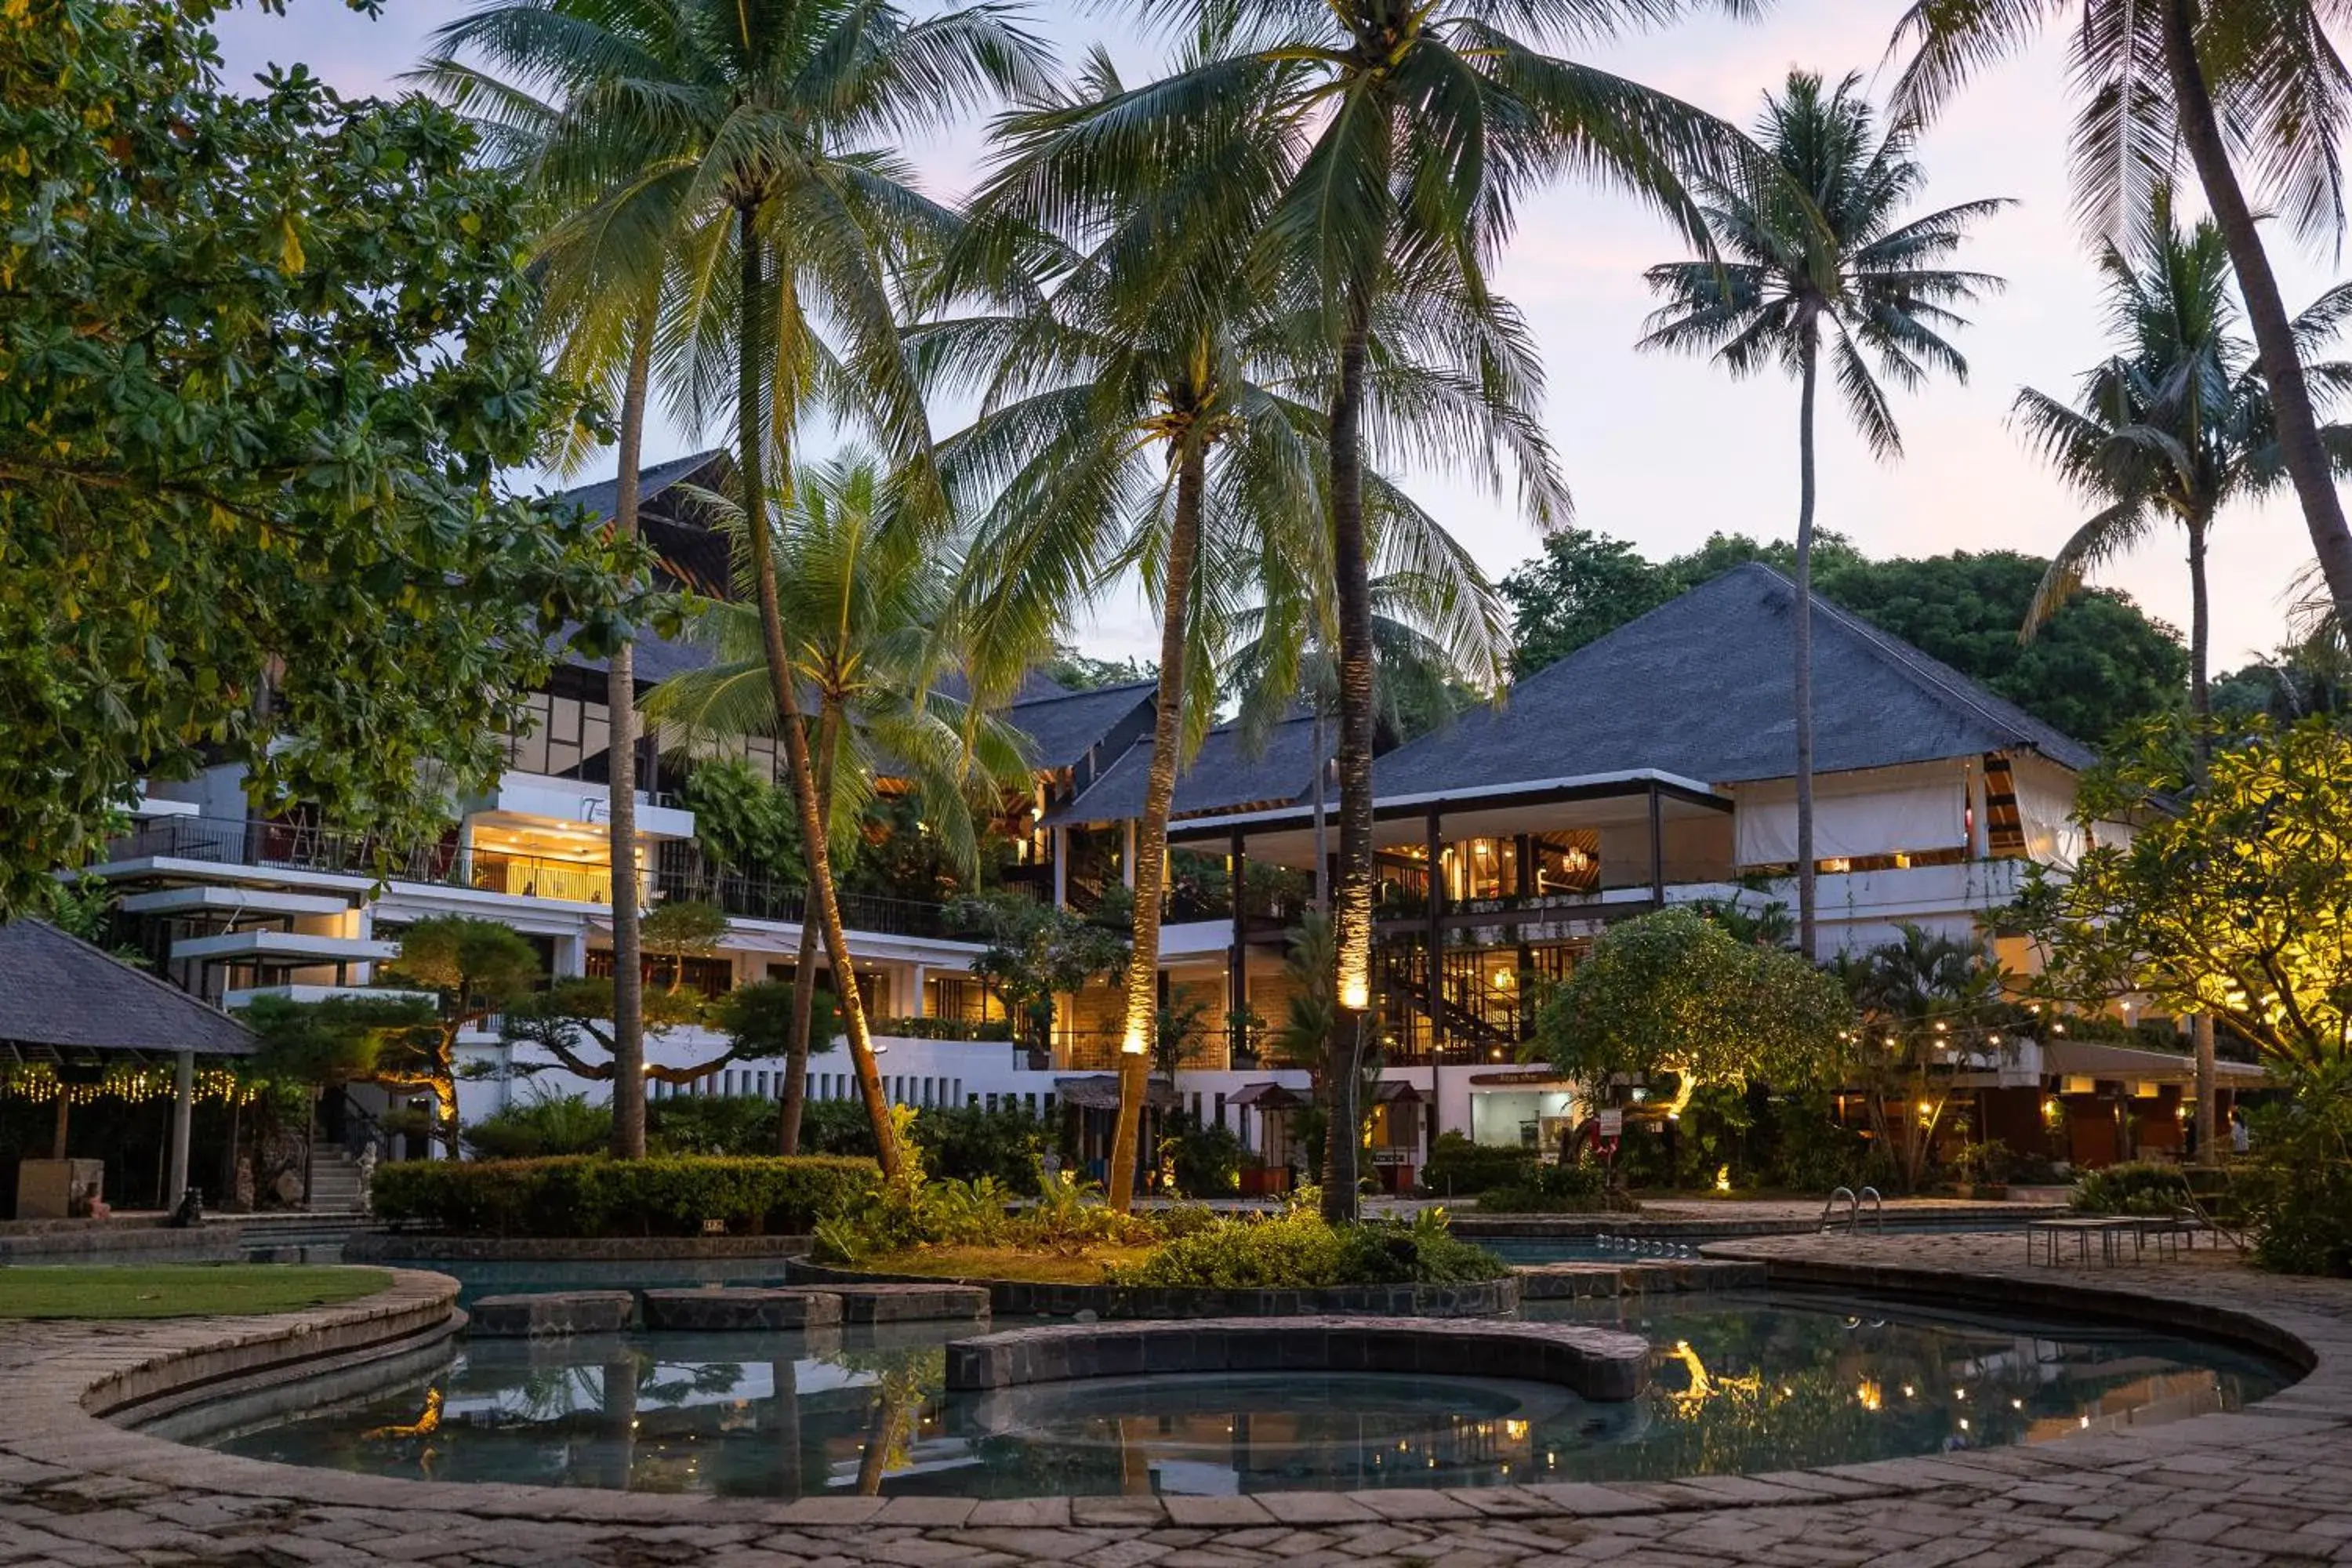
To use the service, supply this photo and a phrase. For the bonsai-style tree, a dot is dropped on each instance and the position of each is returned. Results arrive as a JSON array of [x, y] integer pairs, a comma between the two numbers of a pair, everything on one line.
[[2235, 901], [573, 1018], [1931, 1007], [1037, 952], [1676, 993], [474, 969], [678, 931]]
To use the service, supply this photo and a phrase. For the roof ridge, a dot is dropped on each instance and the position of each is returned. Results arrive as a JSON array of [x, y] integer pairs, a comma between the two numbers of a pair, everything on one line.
[[1067, 692]]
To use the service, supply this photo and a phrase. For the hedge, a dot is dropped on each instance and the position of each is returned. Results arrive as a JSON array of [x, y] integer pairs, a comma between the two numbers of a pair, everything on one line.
[[1457, 1168], [591, 1196]]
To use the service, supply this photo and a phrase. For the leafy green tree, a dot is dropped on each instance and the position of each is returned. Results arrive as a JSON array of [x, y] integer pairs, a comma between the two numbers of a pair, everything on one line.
[[1036, 953], [1809, 244], [262, 361], [2253, 92], [474, 969], [573, 1018], [2177, 423], [1676, 993], [1070, 668], [743, 823], [2098, 666], [2233, 900], [1583, 587], [868, 600]]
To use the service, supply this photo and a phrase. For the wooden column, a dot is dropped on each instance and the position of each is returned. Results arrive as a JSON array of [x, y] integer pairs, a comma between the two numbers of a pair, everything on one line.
[[183, 1089], [1436, 969], [1237, 959], [1657, 848]]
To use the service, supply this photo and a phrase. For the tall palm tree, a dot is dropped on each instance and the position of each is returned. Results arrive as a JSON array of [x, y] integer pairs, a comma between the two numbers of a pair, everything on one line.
[[1817, 257], [1150, 400], [1418, 126], [767, 122], [2176, 425], [865, 601], [2251, 85], [600, 260]]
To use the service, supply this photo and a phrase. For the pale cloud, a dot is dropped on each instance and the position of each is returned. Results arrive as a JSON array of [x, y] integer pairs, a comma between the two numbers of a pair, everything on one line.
[[1665, 450]]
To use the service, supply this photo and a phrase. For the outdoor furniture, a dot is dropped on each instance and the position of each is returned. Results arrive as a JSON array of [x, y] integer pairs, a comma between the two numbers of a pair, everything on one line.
[[2044, 1235]]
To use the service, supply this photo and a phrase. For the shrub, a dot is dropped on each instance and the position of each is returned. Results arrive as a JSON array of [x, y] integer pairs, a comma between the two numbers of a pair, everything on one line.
[[945, 1028], [1554, 1189], [739, 1125], [589, 1196], [1459, 1168], [2297, 1185], [2134, 1188], [549, 1124], [1206, 1162], [969, 1143], [1296, 1250]]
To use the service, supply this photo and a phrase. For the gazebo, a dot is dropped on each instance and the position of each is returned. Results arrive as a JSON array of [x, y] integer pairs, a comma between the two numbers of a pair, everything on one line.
[[68, 1005]]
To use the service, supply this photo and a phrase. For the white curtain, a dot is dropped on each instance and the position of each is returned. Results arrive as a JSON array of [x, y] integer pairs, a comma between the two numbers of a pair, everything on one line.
[[2045, 799], [1892, 811]]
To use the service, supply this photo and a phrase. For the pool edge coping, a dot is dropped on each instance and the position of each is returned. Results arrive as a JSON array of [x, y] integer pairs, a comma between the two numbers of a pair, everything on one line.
[[59, 1428]]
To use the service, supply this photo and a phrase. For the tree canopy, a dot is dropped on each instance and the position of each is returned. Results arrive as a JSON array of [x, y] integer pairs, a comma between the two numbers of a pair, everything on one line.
[[2098, 664], [262, 361], [1674, 992], [2235, 900]]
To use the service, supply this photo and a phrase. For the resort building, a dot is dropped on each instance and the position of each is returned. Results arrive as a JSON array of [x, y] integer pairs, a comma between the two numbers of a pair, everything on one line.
[[1652, 767]]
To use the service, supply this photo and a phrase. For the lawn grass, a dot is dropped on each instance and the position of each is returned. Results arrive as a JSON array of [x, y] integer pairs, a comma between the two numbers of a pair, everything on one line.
[[1006, 1263], [179, 1289]]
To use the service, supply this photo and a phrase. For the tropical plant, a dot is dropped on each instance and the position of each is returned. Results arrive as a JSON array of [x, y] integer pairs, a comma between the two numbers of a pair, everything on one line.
[[1932, 1007], [2250, 83], [2178, 423], [758, 122], [1810, 252], [1035, 952], [866, 599], [1675, 992], [541, 1125], [189, 545]]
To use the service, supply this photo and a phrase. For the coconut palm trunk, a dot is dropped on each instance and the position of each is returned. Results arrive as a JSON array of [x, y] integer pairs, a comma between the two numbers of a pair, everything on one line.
[[1137, 1038], [797, 1052], [750, 460], [2301, 451], [621, 697], [2200, 754], [1801, 624], [1351, 901]]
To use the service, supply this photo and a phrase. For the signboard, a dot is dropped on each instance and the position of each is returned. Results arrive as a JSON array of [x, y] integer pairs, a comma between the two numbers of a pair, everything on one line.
[[1613, 1124]]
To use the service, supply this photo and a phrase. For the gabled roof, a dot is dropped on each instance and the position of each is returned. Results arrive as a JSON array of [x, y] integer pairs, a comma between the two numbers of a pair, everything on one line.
[[1062, 725], [1228, 776], [1702, 686], [59, 991], [693, 554]]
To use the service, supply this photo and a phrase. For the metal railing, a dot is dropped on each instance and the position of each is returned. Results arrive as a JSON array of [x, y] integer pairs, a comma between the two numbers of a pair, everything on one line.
[[299, 847], [757, 897]]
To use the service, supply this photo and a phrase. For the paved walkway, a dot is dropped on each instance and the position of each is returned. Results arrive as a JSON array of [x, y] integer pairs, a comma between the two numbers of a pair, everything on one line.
[[2270, 1485]]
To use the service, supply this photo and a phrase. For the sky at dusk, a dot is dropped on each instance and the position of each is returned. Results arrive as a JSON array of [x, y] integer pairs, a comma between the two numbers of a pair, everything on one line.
[[1665, 450]]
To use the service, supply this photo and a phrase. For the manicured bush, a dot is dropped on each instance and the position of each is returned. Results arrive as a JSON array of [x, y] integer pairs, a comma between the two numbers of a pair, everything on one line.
[[591, 1196], [945, 1030], [1554, 1189], [1296, 1250], [1459, 1168], [966, 1143], [552, 1124], [741, 1125], [2134, 1189]]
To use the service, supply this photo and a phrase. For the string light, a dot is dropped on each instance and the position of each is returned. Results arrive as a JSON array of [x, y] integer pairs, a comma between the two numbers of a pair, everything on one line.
[[132, 1084]]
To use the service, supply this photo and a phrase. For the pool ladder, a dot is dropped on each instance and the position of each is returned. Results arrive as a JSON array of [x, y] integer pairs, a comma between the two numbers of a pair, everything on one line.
[[1853, 1209]]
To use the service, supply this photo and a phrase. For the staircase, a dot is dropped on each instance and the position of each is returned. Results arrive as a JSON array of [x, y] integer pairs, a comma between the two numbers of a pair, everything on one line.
[[334, 1180]]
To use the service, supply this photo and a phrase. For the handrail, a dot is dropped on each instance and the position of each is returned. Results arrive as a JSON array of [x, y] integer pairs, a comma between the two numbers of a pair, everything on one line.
[[1878, 1208], [1828, 1204]]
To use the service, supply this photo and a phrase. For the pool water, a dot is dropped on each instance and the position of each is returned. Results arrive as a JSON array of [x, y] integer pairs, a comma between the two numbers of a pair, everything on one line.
[[1742, 1382]]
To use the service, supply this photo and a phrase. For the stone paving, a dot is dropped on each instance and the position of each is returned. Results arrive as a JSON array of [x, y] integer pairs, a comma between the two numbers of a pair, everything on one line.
[[2270, 1487]]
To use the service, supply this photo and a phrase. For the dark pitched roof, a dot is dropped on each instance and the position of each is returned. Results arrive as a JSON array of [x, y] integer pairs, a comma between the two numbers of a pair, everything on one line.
[[1062, 725], [59, 991], [693, 554], [651, 482], [1702, 686], [1227, 776]]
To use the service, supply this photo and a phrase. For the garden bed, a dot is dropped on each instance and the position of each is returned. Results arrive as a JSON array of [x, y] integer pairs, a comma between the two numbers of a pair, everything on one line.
[[1031, 1297]]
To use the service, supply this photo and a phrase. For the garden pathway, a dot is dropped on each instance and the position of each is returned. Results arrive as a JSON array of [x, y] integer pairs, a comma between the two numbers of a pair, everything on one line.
[[2270, 1485]]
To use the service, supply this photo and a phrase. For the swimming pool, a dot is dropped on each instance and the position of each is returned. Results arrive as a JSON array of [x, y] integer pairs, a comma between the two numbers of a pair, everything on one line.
[[1740, 1383]]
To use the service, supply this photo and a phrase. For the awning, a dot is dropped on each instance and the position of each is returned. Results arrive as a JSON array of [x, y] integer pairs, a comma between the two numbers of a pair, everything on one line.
[[1398, 1091], [2097, 1059], [1099, 1091], [1267, 1096]]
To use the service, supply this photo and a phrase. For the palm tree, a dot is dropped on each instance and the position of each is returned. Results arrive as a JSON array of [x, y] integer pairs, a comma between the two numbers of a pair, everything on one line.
[[2259, 78], [1150, 400], [1417, 130], [2178, 424], [606, 242], [1812, 247], [765, 121], [866, 600]]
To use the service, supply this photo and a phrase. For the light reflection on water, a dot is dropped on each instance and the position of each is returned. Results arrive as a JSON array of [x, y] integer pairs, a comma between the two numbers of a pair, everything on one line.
[[1740, 1384]]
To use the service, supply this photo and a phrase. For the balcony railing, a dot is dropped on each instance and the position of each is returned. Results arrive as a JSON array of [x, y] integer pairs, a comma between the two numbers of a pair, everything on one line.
[[757, 897]]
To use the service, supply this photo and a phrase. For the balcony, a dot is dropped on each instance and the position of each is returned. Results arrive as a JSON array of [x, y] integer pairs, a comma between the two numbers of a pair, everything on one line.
[[525, 798], [195, 844], [759, 899]]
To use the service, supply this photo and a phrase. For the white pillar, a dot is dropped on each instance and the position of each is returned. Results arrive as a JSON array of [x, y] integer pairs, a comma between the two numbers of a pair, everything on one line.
[[184, 1094], [1127, 861], [922, 1007]]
